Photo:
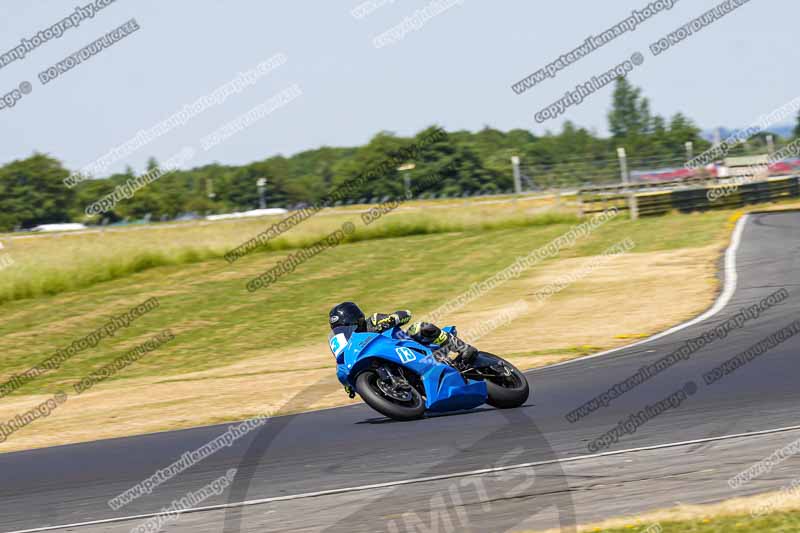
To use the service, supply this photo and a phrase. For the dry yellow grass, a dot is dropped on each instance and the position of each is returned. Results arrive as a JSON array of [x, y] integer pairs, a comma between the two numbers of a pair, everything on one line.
[[680, 284], [781, 502]]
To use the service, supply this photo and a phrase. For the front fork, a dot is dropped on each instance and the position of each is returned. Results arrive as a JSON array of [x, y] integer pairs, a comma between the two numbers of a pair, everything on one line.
[[384, 374]]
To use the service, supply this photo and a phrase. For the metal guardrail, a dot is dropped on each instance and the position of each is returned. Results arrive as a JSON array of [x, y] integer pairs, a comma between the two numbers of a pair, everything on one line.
[[688, 198]]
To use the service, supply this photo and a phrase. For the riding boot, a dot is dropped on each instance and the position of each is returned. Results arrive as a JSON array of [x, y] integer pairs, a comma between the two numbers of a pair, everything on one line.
[[466, 352]]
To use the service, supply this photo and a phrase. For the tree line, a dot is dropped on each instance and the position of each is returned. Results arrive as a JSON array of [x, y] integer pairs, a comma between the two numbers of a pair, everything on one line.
[[32, 190]]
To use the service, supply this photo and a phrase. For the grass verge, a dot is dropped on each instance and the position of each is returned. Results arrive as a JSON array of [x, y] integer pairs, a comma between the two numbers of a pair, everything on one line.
[[731, 515], [46, 265]]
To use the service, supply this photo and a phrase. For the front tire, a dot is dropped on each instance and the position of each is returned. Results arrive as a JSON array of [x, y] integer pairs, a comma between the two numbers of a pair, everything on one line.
[[367, 387], [508, 389]]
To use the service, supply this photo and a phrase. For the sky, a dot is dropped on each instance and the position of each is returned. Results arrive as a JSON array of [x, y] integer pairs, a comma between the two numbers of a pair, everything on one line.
[[454, 69]]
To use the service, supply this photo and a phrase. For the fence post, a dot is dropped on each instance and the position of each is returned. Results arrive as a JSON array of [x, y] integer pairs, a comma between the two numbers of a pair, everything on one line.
[[515, 167], [633, 206], [261, 185], [623, 165]]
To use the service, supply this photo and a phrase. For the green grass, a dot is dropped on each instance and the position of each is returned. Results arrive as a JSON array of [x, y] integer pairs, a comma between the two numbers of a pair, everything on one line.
[[406, 227], [217, 322], [50, 265]]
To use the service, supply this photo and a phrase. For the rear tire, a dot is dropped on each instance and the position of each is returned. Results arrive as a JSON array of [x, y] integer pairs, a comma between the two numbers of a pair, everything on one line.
[[507, 392], [367, 388]]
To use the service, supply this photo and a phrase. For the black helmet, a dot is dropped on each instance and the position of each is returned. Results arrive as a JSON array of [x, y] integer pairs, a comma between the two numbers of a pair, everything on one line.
[[347, 314]]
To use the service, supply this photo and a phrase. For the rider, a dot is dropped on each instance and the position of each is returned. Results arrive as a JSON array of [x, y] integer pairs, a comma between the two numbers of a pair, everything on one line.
[[349, 314]]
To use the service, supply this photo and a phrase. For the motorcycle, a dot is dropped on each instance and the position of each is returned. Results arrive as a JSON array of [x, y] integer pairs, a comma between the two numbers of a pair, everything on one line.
[[403, 379]]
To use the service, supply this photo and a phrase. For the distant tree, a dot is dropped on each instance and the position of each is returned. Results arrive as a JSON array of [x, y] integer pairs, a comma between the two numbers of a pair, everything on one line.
[[452, 167], [681, 131], [238, 188], [797, 127], [32, 192], [381, 148], [659, 125], [630, 112]]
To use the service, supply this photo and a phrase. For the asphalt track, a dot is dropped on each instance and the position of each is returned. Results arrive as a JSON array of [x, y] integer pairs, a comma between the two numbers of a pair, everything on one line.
[[347, 469]]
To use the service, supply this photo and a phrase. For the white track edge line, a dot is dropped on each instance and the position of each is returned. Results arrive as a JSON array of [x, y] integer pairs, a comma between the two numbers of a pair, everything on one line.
[[731, 278], [329, 492]]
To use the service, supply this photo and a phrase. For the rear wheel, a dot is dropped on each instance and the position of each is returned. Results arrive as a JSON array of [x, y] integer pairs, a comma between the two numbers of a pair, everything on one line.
[[397, 400], [506, 385]]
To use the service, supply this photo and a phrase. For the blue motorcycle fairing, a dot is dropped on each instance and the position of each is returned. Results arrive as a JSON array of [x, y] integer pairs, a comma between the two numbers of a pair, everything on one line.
[[445, 388]]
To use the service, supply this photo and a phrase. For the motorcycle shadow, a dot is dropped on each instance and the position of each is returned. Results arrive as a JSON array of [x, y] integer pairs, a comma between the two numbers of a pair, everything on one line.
[[476, 411]]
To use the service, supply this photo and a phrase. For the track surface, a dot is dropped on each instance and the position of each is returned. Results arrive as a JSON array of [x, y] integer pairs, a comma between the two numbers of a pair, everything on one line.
[[352, 447]]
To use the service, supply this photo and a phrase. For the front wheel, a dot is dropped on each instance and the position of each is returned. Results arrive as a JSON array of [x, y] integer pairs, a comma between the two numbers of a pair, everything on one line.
[[404, 403], [506, 385]]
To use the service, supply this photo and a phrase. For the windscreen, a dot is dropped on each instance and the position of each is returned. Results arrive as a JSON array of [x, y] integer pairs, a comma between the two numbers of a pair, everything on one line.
[[338, 338]]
